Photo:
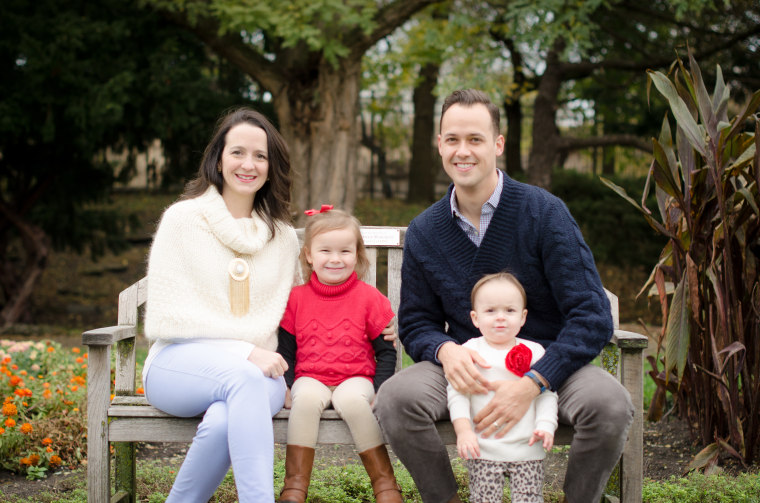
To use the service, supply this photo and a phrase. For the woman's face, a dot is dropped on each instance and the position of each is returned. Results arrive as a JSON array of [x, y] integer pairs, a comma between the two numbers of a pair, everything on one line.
[[245, 163]]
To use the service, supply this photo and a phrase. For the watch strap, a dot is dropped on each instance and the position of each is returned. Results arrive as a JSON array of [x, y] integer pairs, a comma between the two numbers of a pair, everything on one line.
[[536, 380]]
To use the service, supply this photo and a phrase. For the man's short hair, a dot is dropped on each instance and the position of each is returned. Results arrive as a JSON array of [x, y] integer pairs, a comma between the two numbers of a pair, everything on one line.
[[468, 98]]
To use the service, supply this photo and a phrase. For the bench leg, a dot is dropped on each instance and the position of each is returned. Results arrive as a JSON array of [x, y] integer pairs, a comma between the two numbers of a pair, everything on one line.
[[125, 473], [98, 397], [632, 463]]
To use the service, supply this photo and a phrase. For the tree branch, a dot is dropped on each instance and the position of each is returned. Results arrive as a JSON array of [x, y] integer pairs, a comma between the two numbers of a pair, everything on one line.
[[233, 49], [387, 19], [568, 143]]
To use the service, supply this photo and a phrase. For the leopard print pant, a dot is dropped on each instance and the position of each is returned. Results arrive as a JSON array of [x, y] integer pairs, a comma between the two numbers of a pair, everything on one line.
[[487, 480]]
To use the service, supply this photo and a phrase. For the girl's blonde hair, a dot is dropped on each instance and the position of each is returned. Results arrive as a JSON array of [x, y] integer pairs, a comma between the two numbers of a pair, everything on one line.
[[333, 220], [498, 276]]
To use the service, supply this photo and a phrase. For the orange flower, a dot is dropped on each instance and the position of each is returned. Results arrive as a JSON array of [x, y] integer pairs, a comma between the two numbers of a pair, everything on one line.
[[140, 391], [23, 372], [25, 461], [48, 449], [8, 399], [76, 350], [34, 459], [50, 349], [78, 380], [6, 360], [79, 360], [86, 355], [10, 423], [15, 380], [26, 428], [47, 441], [46, 385], [55, 460], [74, 388], [47, 393], [9, 409], [2, 430]]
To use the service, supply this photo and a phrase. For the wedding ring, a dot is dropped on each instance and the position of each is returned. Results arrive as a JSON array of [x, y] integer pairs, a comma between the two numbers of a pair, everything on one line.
[[496, 424]]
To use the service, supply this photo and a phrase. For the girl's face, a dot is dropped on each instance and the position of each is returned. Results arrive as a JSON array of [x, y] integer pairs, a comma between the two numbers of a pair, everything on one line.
[[332, 255], [245, 164], [499, 313]]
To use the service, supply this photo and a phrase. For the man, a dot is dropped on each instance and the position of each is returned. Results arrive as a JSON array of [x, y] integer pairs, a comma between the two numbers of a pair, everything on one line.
[[487, 223]]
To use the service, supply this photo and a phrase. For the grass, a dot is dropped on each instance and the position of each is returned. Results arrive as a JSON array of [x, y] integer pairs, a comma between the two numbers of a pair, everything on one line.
[[349, 484]]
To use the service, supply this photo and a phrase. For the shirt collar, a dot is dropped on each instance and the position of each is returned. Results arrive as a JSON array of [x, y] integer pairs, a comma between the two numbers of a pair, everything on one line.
[[492, 201]]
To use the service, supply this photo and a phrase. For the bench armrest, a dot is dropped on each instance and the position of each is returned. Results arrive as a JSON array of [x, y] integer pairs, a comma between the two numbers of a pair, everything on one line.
[[629, 340], [108, 336]]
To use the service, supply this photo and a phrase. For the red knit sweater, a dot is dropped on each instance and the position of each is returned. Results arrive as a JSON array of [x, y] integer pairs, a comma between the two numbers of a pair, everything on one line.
[[333, 326]]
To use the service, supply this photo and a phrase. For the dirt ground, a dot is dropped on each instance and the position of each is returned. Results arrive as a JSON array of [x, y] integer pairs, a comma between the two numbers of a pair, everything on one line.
[[667, 451]]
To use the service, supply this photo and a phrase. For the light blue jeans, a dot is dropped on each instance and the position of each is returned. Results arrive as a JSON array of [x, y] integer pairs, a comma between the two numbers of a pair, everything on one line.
[[187, 379]]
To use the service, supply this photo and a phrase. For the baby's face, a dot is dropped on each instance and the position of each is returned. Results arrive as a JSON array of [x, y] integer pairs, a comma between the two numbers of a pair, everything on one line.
[[499, 313]]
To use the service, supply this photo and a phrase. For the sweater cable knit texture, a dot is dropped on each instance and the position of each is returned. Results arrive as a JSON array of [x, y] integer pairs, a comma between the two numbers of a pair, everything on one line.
[[533, 236]]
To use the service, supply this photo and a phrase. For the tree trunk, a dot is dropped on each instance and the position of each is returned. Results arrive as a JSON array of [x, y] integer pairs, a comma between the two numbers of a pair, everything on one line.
[[513, 158], [513, 111], [422, 167], [19, 285], [319, 121], [545, 141]]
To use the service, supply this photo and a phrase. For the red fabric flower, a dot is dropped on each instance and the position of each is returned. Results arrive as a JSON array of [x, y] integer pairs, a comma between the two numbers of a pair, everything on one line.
[[518, 360]]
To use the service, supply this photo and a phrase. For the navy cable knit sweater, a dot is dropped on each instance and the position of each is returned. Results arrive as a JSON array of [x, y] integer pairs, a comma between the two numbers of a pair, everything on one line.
[[533, 236]]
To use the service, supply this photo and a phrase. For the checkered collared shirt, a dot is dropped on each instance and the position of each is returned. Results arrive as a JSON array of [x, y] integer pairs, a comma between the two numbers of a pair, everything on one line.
[[486, 213]]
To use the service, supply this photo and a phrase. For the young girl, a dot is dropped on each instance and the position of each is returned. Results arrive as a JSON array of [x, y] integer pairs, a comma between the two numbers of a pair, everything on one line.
[[330, 336], [498, 311]]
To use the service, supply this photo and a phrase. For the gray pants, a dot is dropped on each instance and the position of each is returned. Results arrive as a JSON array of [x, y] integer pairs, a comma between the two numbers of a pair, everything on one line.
[[592, 401]]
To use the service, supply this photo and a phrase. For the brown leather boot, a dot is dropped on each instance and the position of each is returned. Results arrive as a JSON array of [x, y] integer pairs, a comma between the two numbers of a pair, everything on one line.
[[378, 466], [298, 463]]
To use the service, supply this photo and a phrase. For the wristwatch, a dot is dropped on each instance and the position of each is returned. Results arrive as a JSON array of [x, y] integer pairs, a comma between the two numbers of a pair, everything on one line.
[[536, 380]]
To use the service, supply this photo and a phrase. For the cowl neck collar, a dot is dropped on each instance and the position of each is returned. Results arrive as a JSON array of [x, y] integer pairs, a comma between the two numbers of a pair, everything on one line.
[[242, 235]]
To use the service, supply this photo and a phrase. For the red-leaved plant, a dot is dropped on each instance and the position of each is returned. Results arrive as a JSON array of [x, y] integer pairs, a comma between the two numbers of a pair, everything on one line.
[[706, 181]]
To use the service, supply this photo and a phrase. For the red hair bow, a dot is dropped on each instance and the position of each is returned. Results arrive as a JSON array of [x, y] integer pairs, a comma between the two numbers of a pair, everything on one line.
[[323, 209]]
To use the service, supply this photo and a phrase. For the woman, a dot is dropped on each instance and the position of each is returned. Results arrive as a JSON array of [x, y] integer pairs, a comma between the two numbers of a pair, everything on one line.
[[221, 267]]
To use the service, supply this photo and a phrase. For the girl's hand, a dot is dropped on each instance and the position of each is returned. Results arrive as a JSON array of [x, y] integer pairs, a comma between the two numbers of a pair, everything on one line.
[[548, 439], [389, 333], [271, 363], [467, 445]]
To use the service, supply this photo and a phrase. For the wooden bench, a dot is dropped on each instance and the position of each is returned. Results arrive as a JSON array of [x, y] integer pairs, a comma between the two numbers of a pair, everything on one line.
[[127, 418]]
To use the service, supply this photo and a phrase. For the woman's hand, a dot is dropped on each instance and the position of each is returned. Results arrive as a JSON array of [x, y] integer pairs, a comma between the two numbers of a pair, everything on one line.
[[271, 363]]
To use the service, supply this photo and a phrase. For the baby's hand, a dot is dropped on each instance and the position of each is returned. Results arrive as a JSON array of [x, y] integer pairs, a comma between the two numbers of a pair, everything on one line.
[[548, 439], [467, 445]]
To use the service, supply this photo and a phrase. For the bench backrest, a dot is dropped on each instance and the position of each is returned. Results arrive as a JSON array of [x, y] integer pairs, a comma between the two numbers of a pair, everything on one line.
[[384, 250]]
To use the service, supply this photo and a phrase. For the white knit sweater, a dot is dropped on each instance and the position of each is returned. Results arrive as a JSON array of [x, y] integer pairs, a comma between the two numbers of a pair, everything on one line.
[[541, 415], [188, 279]]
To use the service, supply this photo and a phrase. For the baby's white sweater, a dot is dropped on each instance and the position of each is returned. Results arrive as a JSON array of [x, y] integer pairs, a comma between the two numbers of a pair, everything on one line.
[[188, 279], [541, 415]]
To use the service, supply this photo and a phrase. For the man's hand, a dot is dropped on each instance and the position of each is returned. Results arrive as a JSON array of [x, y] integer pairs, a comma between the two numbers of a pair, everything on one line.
[[271, 363], [508, 405], [389, 332], [459, 367]]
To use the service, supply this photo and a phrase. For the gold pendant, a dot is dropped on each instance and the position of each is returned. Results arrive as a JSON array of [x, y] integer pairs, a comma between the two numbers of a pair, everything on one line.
[[239, 286]]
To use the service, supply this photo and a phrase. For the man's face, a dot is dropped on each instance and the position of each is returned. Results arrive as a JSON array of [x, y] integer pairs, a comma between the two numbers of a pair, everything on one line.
[[469, 146]]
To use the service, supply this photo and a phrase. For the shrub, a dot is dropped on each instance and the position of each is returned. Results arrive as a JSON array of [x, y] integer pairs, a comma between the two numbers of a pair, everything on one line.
[[43, 387]]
